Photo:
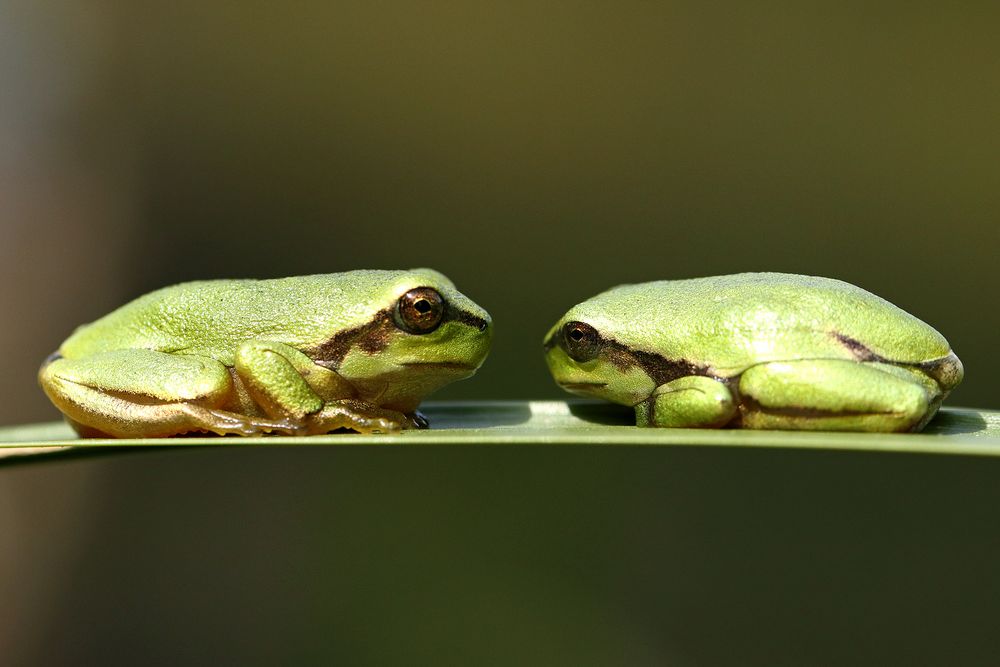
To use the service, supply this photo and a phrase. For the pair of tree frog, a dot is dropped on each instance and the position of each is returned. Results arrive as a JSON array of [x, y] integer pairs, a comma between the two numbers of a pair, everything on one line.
[[359, 350]]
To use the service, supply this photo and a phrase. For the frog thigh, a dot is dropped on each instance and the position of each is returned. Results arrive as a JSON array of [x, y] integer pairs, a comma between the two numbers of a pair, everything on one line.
[[274, 375], [832, 394], [693, 401], [137, 393]]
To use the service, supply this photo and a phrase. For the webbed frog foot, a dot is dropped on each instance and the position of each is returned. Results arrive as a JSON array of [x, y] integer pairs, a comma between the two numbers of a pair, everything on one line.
[[358, 416], [223, 422]]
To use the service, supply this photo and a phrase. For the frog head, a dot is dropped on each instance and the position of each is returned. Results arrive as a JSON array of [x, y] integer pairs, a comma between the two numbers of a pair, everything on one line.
[[587, 361], [414, 333]]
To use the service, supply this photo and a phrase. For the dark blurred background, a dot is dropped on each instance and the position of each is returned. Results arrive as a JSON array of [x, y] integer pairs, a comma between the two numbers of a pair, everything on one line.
[[536, 152]]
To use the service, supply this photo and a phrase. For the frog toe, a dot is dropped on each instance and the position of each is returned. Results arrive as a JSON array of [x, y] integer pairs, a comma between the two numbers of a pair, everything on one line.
[[356, 416]]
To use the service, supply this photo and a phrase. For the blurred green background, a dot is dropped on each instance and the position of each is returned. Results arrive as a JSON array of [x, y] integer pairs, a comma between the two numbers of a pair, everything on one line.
[[536, 152]]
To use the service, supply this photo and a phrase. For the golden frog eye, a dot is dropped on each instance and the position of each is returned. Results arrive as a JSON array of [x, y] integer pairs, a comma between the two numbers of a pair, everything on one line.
[[581, 341], [420, 310]]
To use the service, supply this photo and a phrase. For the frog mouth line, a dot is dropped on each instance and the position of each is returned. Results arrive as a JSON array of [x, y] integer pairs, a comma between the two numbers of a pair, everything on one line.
[[444, 365], [582, 385]]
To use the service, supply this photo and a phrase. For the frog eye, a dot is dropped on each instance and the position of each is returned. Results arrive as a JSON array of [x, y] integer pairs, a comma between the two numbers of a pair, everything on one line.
[[420, 310], [581, 341]]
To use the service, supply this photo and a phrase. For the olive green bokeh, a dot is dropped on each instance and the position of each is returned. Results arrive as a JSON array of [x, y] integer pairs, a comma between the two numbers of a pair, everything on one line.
[[513, 555], [536, 153]]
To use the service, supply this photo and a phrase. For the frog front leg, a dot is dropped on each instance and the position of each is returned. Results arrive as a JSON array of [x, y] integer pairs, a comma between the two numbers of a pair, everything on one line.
[[136, 393], [692, 401], [288, 385], [833, 394]]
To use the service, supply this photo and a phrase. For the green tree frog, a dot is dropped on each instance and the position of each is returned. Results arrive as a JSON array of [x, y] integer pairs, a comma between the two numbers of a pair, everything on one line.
[[302, 355], [754, 350]]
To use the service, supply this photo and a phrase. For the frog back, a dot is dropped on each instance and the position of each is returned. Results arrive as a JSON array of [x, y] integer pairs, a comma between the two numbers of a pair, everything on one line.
[[729, 323], [214, 317]]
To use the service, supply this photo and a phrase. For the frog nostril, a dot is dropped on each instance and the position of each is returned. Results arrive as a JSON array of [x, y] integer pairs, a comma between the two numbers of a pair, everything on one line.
[[483, 325]]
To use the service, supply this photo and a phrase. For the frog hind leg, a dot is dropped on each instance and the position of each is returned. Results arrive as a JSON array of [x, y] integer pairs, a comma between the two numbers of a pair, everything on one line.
[[288, 385], [146, 394], [834, 395], [692, 401]]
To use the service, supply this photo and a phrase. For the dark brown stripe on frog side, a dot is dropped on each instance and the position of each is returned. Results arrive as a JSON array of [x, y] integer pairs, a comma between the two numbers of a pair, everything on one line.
[[464, 317], [664, 370], [373, 337], [947, 371], [859, 349], [656, 366]]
